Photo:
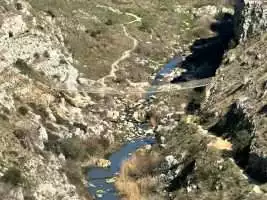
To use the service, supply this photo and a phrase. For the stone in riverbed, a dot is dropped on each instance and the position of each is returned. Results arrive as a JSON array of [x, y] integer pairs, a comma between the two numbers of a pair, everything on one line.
[[99, 195], [111, 180], [149, 132], [148, 147], [139, 116], [103, 163]]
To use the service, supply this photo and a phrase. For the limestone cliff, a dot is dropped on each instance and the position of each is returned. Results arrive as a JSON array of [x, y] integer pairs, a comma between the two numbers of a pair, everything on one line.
[[237, 96], [53, 57], [250, 18]]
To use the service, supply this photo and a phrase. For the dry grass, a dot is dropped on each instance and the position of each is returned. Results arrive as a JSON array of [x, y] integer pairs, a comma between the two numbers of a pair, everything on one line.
[[136, 179], [221, 144], [128, 189]]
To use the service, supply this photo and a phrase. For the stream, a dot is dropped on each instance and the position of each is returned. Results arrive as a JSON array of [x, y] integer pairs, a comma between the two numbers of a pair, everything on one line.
[[206, 57], [101, 180]]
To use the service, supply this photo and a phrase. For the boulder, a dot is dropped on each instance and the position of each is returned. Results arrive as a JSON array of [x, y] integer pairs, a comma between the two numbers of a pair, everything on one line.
[[103, 163]]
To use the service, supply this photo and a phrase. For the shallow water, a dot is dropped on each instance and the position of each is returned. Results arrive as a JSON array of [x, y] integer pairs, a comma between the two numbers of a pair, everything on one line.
[[164, 71], [168, 68], [98, 177]]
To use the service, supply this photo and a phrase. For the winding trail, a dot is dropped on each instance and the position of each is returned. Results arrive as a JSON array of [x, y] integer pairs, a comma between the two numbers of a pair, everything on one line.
[[127, 53], [135, 87]]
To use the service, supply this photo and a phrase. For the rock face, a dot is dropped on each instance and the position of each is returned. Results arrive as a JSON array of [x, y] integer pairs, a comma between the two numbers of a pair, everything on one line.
[[250, 18], [33, 111], [44, 97], [237, 96]]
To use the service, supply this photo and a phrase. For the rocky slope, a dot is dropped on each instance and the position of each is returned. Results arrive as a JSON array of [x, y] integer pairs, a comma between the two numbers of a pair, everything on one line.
[[235, 106], [60, 62], [220, 151], [237, 95], [250, 18], [53, 57]]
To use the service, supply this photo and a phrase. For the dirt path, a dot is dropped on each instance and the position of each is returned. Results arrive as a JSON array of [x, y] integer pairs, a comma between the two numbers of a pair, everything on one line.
[[127, 53], [139, 87]]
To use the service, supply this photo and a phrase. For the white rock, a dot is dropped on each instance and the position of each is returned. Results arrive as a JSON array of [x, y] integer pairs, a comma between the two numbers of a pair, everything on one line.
[[162, 139], [61, 157], [149, 132], [171, 161], [189, 189], [43, 134], [113, 115], [148, 147], [42, 137], [139, 115], [14, 24], [257, 189]]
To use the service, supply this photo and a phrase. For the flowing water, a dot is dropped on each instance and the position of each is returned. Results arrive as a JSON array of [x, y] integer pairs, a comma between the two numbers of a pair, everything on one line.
[[163, 72], [101, 180]]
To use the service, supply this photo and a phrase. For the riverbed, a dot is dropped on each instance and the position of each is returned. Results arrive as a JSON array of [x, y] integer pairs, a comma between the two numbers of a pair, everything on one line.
[[101, 180]]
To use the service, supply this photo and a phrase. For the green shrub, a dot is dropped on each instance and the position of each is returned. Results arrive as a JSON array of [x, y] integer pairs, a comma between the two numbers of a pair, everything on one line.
[[148, 22], [13, 176], [23, 110], [74, 173], [22, 66], [73, 148], [76, 148]]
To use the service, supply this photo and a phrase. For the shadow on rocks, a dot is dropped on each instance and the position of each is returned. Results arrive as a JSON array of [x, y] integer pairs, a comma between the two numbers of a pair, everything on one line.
[[236, 127], [207, 53]]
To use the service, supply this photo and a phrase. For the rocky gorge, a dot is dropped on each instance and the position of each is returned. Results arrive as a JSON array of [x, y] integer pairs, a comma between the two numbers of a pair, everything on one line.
[[73, 78]]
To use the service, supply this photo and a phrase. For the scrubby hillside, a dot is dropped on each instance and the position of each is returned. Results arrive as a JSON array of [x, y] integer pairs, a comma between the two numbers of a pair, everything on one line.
[[219, 151], [73, 75]]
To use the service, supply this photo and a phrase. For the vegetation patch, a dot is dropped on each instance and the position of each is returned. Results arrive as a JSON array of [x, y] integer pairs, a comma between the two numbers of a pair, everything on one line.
[[79, 149], [138, 177], [13, 176], [75, 175]]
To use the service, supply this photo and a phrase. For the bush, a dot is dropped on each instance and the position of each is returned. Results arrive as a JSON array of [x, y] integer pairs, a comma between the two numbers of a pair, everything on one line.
[[140, 164], [73, 172], [73, 148], [148, 22], [13, 176], [23, 110], [78, 149], [75, 176], [23, 66], [136, 179]]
